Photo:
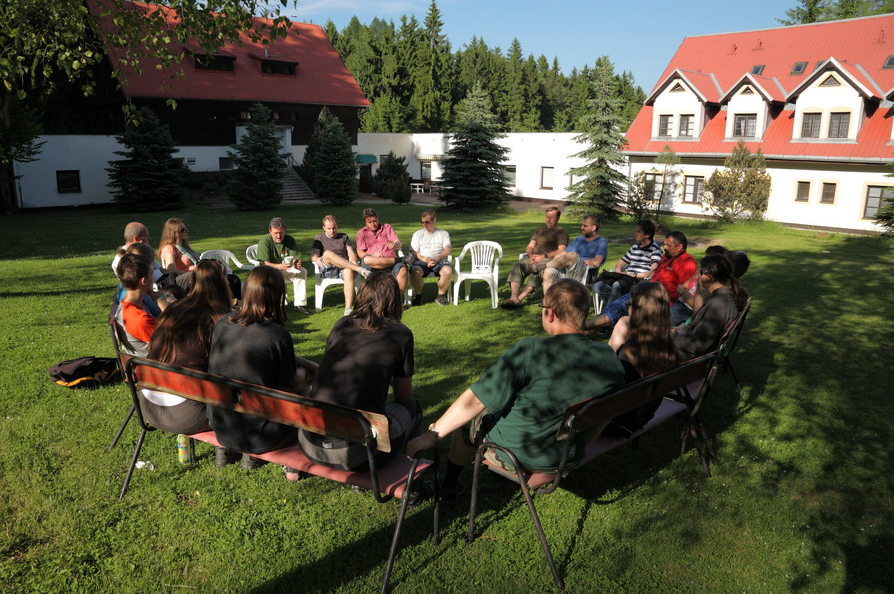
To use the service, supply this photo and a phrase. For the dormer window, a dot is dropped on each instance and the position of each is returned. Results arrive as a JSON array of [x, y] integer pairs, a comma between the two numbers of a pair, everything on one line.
[[745, 125], [757, 69], [677, 88], [889, 63], [747, 91], [810, 127], [274, 67], [799, 68], [687, 124], [839, 124], [223, 63], [665, 125], [830, 81]]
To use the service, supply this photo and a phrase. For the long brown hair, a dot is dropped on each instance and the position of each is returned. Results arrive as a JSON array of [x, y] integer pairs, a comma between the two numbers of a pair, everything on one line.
[[378, 300], [263, 296], [170, 235], [650, 345], [193, 317]]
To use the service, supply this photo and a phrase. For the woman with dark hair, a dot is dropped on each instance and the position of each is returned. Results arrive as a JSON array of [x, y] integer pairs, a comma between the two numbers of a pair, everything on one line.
[[174, 251], [183, 337], [252, 345], [367, 352], [645, 345], [720, 307]]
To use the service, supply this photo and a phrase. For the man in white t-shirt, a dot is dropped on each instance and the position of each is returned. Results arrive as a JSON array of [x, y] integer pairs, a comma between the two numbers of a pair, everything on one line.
[[430, 248]]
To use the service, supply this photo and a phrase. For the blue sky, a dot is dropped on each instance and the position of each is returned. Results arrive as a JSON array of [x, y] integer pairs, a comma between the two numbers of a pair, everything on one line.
[[640, 36]]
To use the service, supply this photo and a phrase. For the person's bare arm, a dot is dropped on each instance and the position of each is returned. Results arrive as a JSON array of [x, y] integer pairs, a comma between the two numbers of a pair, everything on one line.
[[464, 409]]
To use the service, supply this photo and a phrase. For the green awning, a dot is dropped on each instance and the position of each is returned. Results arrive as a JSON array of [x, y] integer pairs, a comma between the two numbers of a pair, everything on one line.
[[366, 159]]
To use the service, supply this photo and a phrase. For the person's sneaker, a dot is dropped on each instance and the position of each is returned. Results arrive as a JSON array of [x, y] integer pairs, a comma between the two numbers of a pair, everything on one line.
[[300, 309], [450, 496], [417, 301], [348, 310], [365, 272], [422, 492], [250, 462], [441, 299]]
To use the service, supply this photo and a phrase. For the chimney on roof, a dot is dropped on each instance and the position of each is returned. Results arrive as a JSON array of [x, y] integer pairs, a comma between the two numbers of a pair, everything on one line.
[[734, 49], [760, 44], [881, 36]]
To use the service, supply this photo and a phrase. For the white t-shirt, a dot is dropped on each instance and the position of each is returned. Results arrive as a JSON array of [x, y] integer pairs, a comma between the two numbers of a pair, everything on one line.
[[156, 269], [430, 245]]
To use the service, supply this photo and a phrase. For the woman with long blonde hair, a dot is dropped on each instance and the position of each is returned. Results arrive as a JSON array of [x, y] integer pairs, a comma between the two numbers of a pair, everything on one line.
[[174, 251]]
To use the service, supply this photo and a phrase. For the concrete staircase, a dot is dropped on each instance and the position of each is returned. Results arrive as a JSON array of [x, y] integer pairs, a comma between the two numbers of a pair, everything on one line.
[[294, 189]]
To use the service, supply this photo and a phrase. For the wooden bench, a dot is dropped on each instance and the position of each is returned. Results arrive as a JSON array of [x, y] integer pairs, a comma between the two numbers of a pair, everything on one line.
[[394, 479], [681, 391]]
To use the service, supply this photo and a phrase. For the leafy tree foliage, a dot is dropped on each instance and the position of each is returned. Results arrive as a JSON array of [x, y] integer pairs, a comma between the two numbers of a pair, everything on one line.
[[329, 165], [392, 180], [668, 160], [600, 185], [640, 196], [415, 82], [741, 189], [257, 178], [148, 178], [473, 176], [44, 44]]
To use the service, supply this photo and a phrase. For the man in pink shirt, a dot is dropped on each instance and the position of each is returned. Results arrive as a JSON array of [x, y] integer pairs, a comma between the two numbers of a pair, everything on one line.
[[377, 246]]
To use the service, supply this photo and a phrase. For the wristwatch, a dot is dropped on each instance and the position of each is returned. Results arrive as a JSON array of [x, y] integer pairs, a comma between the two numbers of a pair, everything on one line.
[[431, 429]]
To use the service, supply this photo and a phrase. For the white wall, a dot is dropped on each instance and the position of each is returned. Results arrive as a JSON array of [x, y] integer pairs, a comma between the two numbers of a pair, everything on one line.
[[675, 104], [828, 100]]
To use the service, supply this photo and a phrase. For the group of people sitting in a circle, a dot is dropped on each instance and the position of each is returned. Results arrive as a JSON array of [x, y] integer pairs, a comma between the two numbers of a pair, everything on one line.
[[198, 322]]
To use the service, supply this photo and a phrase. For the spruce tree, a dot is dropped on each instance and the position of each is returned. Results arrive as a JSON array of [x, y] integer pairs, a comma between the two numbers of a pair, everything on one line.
[[335, 167], [392, 181], [148, 178], [256, 183], [474, 177], [600, 184]]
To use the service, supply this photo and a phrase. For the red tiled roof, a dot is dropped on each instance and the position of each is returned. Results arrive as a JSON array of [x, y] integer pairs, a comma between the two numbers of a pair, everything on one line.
[[704, 85], [320, 77], [858, 48]]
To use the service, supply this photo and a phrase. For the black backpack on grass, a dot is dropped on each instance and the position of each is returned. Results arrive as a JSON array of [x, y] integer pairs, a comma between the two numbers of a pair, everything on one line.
[[86, 372]]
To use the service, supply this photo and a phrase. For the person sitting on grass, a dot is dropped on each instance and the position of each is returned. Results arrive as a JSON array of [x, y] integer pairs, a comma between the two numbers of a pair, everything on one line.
[[252, 345], [519, 402], [135, 274], [367, 353], [182, 337], [725, 299]]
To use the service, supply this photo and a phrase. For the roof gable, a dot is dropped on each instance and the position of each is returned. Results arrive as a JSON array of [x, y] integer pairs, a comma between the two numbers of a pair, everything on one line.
[[855, 76], [703, 85], [768, 88]]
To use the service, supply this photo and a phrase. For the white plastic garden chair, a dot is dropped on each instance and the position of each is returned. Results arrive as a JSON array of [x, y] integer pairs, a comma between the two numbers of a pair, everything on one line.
[[321, 283], [483, 264], [227, 258]]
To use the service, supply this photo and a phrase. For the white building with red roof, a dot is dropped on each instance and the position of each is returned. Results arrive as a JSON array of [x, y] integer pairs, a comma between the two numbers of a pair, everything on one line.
[[815, 99], [295, 77]]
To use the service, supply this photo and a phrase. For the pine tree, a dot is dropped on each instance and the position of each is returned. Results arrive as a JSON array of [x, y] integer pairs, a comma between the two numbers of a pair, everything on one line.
[[148, 178], [431, 76], [392, 180], [474, 178], [600, 184], [741, 189], [257, 180], [335, 167]]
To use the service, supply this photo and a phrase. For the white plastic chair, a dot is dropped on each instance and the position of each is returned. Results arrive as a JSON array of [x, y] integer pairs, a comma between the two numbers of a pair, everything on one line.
[[251, 254], [321, 283], [484, 265], [226, 257]]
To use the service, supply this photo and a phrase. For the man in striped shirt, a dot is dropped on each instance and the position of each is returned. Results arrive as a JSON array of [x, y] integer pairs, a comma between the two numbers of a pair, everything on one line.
[[639, 262]]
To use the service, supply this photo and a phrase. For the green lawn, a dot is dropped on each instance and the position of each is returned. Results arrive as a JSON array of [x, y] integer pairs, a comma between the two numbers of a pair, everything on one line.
[[803, 500]]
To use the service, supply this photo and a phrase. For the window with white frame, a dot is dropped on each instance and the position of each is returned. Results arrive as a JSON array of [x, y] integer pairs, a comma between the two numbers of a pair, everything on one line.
[[828, 196], [665, 125], [546, 178], [876, 197], [838, 124], [425, 170], [803, 193], [692, 191], [810, 126], [687, 124], [745, 125], [656, 182]]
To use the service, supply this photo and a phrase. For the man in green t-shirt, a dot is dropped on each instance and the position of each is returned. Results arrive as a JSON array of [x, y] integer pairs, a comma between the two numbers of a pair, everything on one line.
[[280, 250], [518, 402]]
